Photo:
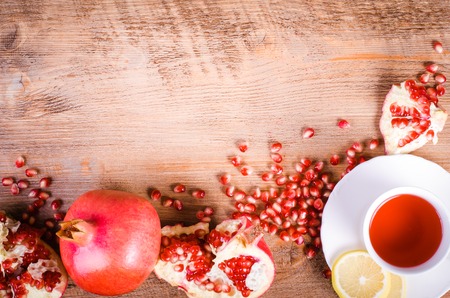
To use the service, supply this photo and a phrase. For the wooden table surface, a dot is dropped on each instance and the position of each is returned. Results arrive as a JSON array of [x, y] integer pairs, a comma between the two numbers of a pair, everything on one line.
[[145, 93]]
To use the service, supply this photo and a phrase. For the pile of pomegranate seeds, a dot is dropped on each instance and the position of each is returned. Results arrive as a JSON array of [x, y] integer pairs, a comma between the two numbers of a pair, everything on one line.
[[35, 188]]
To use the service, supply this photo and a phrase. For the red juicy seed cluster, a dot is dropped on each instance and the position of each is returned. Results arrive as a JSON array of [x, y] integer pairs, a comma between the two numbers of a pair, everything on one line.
[[237, 270], [188, 248], [217, 238]]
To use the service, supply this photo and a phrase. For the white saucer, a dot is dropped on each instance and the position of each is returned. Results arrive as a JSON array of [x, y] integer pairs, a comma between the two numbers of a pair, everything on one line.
[[344, 212]]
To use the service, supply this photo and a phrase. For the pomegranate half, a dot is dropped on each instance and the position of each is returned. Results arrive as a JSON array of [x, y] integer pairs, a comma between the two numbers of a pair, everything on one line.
[[411, 117], [232, 260], [109, 241], [29, 267]]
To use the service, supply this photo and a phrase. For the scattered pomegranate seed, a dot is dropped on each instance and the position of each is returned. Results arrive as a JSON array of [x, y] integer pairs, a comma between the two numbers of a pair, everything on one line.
[[34, 193], [267, 176], [326, 273], [236, 160], [23, 184], [246, 170], [350, 152], [225, 179], [310, 252], [229, 191], [373, 144], [276, 157], [276, 169], [334, 159], [209, 211], [440, 90], [43, 195], [285, 236], [198, 193], [168, 202], [178, 205], [58, 216], [50, 223], [155, 195], [38, 204], [15, 190], [7, 181], [179, 188], [440, 78], [308, 133], [56, 204], [32, 220], [437, 46], [200, 214], [275, 147], [432, 67], [343, 123], [243, 146], [45, 182], [20, 162], [424, 78], [31, 172]]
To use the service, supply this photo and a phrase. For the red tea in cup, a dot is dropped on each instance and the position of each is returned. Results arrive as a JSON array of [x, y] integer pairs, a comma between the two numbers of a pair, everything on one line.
[[405, 230]]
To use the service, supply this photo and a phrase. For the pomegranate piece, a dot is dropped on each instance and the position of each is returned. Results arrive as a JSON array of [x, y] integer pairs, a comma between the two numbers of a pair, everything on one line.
[[232, 260], [408, 116], [30, 268], [109, 241], [308, 133]]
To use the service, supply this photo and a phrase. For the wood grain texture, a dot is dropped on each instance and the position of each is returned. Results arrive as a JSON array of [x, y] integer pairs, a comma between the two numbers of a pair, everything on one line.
[[137, 94]]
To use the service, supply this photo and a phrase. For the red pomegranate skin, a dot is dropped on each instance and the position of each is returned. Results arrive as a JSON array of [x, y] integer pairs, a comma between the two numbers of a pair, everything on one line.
[[124, 246]]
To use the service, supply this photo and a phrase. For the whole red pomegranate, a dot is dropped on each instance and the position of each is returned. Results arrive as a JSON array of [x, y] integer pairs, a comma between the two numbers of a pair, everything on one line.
[[233, 260], [28, 266], [110, 241], [411, 117]]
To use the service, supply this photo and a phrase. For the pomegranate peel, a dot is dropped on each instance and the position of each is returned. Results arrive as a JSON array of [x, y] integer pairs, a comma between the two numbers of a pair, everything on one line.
[[410, 118], [29, 267], [208, 265]]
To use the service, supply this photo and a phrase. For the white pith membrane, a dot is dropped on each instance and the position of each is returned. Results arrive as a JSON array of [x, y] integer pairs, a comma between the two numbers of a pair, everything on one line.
[[36, 270], [400, 95], [244, 243]]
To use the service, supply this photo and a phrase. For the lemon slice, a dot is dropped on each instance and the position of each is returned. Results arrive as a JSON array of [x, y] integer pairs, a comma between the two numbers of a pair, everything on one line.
[[355, 274], [398, 287]]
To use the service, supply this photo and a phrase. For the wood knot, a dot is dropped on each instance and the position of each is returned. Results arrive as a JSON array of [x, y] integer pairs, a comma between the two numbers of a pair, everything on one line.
[[254, 38], [11, 37]]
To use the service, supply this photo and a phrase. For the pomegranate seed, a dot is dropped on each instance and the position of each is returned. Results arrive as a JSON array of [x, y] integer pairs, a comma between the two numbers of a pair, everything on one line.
[[358, 147], [198, 193], [225, 179], [326, 273], [281, 180], [319, 166], [318, 204], [430, 135], [50, 223], [350, 152], [56, 204], [310, 252], [239, 195], [317, 242], [15, 190], [256, 193], [179, 188], [20, 161], [22, 184], [308, 133], [276, 169], [236, 161], [32, 220], [373, 144], [267, 176], [209, 211], [437, 46], [43, 195], [275, 147], [285, 236], [178, 205], [7, 181], [334, 159], [440, 90], [34, 193], [200, 214], [432, 67], [229, 191], [45, 182], [424, 78], [306, 162], [246, 170], [58, 216], [243, 146], [276, 157], [300, 168], [440, 78], [155, 195], [38, 204], [31, 172], [343, 123], [178, 268], [206, 219], [168, 202]]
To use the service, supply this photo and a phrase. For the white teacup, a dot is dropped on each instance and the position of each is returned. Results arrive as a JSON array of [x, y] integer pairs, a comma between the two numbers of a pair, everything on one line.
[[380, 207]]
